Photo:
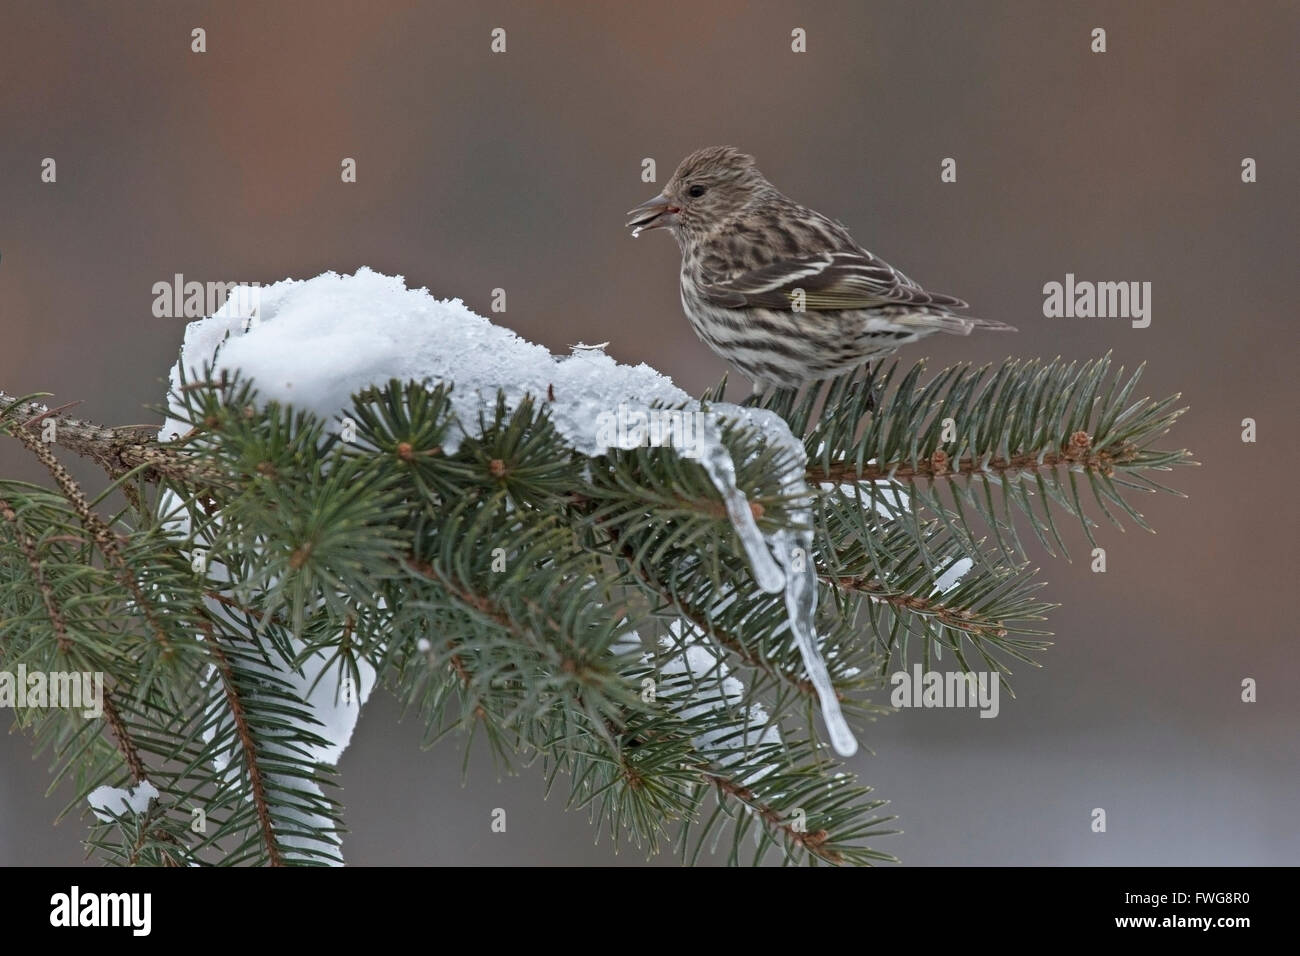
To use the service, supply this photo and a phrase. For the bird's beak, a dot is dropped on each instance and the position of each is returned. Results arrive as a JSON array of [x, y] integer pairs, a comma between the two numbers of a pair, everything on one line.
[[654, 214]]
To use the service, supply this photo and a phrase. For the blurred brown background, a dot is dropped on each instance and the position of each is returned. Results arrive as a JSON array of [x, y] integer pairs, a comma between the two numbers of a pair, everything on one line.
[[479, 171]]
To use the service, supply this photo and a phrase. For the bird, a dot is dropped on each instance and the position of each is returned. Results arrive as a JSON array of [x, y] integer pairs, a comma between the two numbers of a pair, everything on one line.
[[779, 290]]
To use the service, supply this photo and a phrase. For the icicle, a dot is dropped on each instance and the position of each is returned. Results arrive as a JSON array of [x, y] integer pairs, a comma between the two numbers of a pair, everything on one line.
[[794, 550], [722, 471]]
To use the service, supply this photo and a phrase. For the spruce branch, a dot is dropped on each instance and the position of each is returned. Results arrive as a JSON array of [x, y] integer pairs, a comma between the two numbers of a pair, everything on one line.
[[248, 746], [674, 606], [593, 613], [28, 548], [933, 594], [119, 450], [130, 752], [992, 441], [139, 579]]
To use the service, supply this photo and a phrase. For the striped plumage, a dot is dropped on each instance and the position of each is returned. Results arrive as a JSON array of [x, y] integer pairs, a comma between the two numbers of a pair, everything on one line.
[[780, 291]]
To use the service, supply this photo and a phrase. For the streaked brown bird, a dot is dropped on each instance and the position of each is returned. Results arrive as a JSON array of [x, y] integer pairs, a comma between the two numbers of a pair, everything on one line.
[[778, 290]]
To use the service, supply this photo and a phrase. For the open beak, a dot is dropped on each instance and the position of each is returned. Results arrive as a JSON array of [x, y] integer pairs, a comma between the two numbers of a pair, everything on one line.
[[654, 214]]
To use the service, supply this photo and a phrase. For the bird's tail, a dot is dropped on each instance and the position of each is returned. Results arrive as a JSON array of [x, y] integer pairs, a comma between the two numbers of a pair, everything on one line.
[[952, 324]]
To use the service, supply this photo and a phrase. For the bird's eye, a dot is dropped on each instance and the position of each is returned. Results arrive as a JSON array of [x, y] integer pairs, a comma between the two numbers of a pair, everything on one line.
[[696, 191]]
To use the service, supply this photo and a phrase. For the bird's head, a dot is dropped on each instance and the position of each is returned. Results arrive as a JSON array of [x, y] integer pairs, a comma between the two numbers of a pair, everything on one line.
[[710, 186]]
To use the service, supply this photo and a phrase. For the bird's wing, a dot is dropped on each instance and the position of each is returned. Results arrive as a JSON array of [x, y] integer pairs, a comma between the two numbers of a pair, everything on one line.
[[829, 280]]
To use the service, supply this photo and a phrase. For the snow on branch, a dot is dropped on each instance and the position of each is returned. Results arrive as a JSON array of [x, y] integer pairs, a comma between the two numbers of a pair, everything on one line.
[[313, 344]]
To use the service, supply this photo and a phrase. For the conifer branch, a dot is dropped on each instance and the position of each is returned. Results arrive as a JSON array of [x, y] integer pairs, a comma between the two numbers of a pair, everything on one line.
[[118, 450], [992, 442], [813, 842], [959, 619], [103, 535], [122, 736], [497, 571], [1077, 455], [38, 576], [248, 744], [694, 615]]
